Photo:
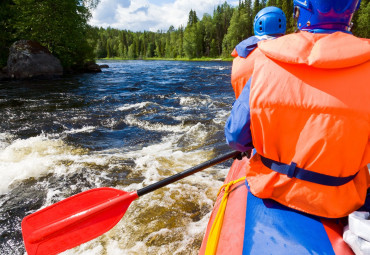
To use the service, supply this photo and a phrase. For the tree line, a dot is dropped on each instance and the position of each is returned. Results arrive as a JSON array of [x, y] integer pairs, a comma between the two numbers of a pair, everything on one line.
[[211, 36], [61, 26]]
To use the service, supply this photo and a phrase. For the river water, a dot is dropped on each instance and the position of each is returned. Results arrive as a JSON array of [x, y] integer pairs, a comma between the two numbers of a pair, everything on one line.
[[131, 125]]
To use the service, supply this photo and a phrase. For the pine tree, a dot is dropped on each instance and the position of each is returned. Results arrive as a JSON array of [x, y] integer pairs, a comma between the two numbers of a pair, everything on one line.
[[362, 20], [256, 8], [6, 30], [250, 18], [287, 11], [271, 3]]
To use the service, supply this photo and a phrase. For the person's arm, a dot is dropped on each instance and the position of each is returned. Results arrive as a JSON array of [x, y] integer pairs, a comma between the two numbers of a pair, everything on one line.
[[237, 128]]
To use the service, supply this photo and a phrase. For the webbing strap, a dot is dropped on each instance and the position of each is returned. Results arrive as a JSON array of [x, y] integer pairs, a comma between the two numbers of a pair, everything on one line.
[[214, 234], [293, 171]]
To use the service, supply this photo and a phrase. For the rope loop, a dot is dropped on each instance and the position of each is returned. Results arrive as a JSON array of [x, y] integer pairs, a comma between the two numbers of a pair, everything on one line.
[[214, 234]]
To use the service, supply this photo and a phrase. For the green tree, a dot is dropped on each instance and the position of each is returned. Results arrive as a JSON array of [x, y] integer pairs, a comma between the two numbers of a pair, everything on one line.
[[193, 19], [100, 51], [279, 3], [263, 4], [190, 36], [213, 49], [233, 36], [249, 23], [362, 20], [179, 44], [132, 51], [221, 18], [60, 25], [271, 3], [209, 30], [6, 29], [287, 8], [256, 8], [190, 41], [160, 45]]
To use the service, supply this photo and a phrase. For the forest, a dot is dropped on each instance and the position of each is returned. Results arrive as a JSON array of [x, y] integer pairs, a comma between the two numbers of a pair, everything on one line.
[[62, 26]]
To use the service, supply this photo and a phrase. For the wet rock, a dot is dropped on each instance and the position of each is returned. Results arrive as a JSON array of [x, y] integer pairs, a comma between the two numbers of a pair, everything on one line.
[[92, 67], [104, 66], [28, 59]]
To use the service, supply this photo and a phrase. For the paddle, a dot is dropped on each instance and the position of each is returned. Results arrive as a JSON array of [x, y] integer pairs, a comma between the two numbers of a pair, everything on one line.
[[89, 214]]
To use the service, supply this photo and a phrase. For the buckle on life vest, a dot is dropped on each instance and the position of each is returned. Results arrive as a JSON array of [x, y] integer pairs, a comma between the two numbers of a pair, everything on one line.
[[306, 175], [291, 170]]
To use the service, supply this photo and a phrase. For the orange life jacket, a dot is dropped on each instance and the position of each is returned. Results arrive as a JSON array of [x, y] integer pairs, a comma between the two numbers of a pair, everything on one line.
[[310, 104], [242, 70]]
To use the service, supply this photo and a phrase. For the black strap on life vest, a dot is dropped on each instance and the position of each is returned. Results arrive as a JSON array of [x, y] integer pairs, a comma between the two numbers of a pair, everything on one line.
[[293, 171]]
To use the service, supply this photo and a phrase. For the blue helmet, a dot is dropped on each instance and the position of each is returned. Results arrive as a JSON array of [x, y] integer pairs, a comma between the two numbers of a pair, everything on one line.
[[270, 21], [324, 14]]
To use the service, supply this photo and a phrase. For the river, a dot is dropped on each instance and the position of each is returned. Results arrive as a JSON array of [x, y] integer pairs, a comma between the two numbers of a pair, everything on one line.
[[131, 125]]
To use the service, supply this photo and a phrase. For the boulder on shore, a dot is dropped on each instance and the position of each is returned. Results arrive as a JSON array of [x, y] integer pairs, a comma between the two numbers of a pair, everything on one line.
[[28, 59], [92, 67]]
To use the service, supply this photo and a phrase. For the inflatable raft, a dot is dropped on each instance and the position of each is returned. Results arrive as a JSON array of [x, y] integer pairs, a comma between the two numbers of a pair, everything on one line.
[[257, 226]]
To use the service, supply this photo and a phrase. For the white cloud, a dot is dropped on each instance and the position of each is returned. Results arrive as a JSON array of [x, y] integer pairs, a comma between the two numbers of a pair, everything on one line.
[[149, 15]]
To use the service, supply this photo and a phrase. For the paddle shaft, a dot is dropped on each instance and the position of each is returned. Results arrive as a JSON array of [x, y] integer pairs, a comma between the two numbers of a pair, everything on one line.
[[186, 173]]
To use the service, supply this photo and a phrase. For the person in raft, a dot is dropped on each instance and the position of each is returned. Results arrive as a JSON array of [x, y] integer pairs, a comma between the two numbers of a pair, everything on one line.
[[269, 23], [306, 112]]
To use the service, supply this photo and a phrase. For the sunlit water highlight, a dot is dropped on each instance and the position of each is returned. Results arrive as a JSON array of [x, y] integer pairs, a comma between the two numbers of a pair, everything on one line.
[[127, 127]]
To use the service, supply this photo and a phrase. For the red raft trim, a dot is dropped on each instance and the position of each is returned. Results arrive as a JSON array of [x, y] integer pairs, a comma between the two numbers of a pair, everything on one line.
[[231, 239]]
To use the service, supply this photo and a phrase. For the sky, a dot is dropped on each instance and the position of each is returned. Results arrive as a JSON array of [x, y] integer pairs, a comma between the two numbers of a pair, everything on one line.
[[150, 15]]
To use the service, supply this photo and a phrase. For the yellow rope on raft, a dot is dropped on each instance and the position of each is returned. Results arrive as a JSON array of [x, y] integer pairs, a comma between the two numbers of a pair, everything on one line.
[[214, 234]]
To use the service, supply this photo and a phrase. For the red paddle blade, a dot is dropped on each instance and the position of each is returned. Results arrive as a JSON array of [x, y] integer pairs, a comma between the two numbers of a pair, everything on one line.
[[75, 220]]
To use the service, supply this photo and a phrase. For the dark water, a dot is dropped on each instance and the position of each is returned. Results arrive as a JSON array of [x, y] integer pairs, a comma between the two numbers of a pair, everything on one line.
[[129, 126]]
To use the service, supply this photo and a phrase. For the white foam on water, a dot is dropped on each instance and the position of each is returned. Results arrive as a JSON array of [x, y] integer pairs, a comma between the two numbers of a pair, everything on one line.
[[200, 188], [195, 190], [144, 228], [147, 125], [80, 117], [195, 101], [140, 105], [133, 235], [170, 220], [221, 117], [37, 156], [215, 67], [4, 140], [175, 70], [26, 158], [90, 248], [84, 129]]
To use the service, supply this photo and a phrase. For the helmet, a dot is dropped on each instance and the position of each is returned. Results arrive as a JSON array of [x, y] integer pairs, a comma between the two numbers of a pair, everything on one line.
[[324, 14], [270, 21]]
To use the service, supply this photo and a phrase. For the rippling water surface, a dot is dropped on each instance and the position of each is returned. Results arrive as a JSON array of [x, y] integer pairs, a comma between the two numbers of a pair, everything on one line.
[[134, 124]]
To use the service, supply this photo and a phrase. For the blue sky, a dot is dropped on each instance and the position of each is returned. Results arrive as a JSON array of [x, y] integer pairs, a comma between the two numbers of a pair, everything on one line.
[[150, 15]]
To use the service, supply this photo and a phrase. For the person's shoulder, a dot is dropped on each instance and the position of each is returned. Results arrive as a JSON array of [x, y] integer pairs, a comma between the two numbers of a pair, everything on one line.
[[245, 47], [319, 50]]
